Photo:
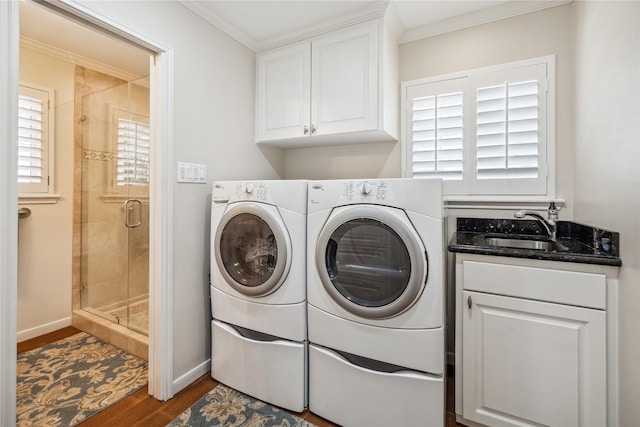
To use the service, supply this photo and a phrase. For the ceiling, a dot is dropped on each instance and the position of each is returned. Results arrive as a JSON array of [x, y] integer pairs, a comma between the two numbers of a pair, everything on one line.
[[59, 36], [259, 24]]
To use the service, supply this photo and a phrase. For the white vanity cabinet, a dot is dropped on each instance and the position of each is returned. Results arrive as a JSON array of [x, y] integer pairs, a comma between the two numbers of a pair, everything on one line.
[[533, 340], [337, 88]]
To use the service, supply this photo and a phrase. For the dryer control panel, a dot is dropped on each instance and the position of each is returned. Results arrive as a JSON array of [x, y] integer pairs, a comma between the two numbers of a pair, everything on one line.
[[418, 195], [333, 193]]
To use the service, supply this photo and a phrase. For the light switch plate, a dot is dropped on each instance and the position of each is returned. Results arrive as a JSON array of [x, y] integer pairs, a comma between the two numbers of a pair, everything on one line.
[[193, 173]]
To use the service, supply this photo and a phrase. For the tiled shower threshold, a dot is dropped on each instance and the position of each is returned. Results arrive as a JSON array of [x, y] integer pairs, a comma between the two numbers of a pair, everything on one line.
[[118, 335]]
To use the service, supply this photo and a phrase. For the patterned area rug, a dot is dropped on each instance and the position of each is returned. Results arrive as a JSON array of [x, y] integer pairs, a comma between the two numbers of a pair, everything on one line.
[[63, 383], [227, 407]]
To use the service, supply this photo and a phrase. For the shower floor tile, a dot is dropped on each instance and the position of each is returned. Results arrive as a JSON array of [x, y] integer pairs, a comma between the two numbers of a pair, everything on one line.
[[138, 316]]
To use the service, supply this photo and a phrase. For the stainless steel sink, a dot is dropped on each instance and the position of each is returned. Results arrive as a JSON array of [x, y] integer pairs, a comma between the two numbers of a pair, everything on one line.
[[539, 245]]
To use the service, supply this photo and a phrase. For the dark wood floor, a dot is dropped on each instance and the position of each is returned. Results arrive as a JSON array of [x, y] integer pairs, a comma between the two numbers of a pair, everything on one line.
[[141, 410]]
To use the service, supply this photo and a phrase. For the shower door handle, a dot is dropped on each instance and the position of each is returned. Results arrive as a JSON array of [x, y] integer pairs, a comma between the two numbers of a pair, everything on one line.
[[129, 207]]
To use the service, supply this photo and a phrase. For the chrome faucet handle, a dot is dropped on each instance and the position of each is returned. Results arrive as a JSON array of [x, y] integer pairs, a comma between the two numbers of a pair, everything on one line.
[[553, 213], [548, 225]]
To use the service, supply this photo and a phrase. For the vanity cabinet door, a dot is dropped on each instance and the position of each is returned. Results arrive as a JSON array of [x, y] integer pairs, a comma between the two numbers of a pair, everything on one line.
[[284, 93], [527, 362]]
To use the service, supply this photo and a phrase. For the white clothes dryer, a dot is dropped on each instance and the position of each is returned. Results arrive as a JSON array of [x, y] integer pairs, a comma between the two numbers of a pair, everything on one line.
[[375, 289], [258, 289]]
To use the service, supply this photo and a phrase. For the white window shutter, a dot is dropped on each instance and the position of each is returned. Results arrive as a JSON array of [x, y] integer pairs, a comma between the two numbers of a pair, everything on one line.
[[510, 131], [507, 131], [133, 153], [437, 136], [33, 140], [435, 120]]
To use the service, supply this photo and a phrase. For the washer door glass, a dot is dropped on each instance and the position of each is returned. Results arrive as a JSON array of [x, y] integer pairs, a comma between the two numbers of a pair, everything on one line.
[[368, 263], [371, 261], [252, 250]]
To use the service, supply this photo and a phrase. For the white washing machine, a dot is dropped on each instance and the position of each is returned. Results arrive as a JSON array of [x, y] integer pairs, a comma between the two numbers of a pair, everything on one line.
[[375, 291], [258, 289]]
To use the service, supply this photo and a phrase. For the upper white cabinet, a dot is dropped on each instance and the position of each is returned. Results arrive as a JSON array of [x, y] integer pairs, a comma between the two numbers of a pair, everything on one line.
[[338, 88]]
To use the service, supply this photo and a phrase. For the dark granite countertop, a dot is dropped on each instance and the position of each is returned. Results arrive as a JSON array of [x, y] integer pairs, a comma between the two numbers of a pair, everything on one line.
[[581, 243]]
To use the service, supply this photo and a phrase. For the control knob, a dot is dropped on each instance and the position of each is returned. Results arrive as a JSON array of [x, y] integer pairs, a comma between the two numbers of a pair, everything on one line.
[[366, 188]]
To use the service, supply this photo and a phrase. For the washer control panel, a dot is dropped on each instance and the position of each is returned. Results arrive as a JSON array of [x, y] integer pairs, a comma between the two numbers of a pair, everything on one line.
[[240, 190], [252, 191], [365, 191]]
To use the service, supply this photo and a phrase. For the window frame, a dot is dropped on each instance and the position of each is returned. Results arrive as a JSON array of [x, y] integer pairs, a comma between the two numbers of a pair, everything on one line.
[[42, 192], [470, 188]]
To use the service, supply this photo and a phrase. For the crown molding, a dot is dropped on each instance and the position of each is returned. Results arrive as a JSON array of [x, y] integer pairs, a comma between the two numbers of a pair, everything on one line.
[[221, 23], [381, 8], [74, 58], [378, 10], [496, 13]]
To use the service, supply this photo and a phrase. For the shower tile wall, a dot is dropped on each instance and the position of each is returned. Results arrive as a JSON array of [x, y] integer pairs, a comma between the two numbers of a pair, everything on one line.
[[98, 205]]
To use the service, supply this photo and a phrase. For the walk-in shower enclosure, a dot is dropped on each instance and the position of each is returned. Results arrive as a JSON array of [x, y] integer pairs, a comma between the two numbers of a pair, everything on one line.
[[114, 220]]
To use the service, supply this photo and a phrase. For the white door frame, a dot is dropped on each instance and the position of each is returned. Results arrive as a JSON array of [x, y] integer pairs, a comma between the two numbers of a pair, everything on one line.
[[9, 47], [161, 192]]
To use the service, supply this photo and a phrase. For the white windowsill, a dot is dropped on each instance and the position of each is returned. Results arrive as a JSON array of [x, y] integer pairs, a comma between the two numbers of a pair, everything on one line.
[[501, 202], [38, 199]]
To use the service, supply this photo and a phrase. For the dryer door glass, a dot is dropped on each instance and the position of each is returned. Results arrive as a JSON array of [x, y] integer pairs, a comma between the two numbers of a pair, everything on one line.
[[368, 262], [248, 250]]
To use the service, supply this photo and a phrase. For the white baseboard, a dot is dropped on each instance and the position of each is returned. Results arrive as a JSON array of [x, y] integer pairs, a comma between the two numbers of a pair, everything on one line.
[[188, 378], [43, 329]]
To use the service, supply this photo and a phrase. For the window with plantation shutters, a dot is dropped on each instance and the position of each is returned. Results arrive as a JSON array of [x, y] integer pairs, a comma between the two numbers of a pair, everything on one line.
[[485, 132], [133, 153], [33, 139]]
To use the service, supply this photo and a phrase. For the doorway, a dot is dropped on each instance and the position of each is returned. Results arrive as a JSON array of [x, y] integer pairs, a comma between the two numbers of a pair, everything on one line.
[[94, 106], [160, 192]]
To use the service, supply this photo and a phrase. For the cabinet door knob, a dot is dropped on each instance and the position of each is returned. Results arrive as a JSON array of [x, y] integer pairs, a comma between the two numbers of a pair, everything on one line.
[[469, 302], [313, 129], [305, 129]]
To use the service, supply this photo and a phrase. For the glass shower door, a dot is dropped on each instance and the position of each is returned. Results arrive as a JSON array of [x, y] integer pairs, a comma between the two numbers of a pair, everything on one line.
[[115, 204]]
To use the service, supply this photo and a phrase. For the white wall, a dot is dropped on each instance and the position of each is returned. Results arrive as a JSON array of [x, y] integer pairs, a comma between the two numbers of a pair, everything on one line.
[[214, 125], [607, 159], [45, 238], [370, 160]]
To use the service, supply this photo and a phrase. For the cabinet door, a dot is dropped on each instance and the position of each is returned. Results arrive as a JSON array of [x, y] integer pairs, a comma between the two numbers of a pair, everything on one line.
[[532, 363], [345, 90], [283, 93]]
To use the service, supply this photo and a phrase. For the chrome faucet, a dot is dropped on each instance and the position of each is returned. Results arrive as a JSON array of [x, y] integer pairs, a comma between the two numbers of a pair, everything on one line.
[[549, 224]]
